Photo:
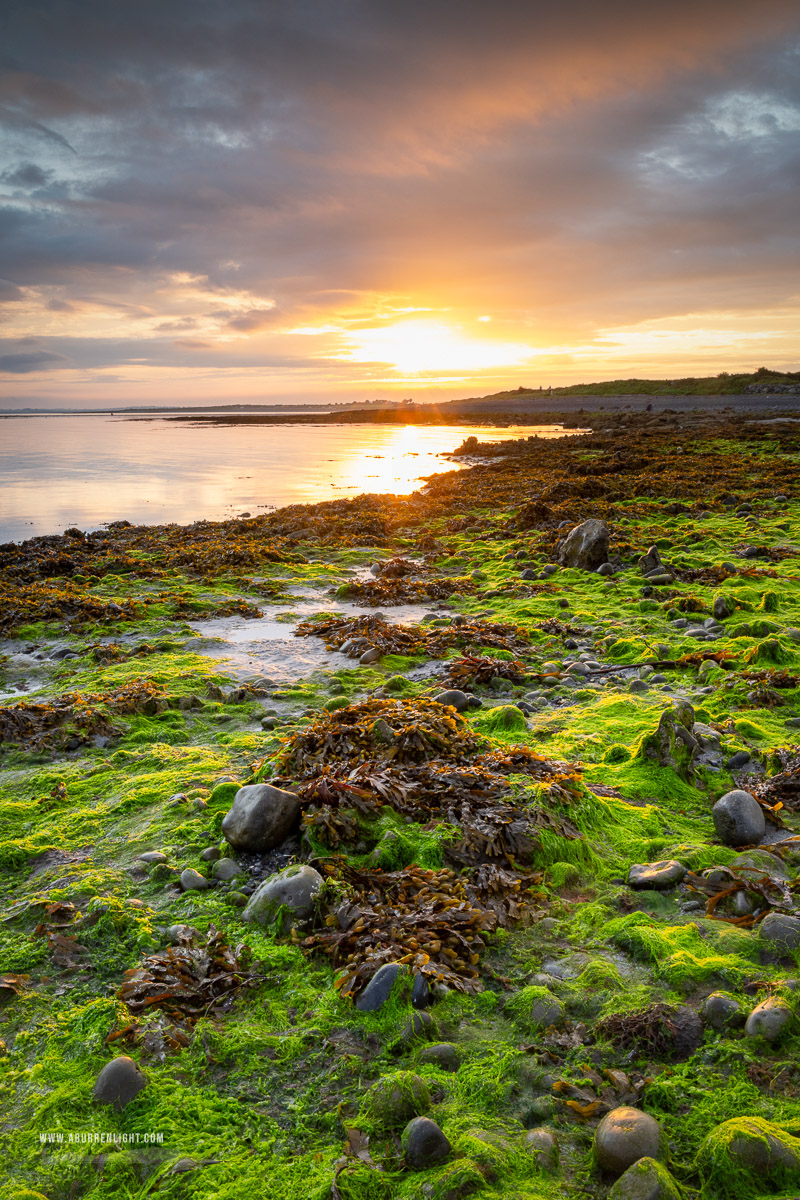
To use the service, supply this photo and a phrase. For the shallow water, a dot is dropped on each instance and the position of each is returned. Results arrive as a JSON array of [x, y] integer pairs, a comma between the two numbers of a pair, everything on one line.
[[61, 471]]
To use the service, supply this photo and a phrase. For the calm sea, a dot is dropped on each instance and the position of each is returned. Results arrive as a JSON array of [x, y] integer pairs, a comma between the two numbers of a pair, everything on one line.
[[61, 471]]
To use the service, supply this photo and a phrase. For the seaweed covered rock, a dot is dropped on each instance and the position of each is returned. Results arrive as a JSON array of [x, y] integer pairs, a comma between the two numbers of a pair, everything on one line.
[[744, 1150], [769, 1019], [119, 1082], [624, 1136], [721, 1011], [738, 819], [543, 1145], [647, 1179], [585, 546], [260, 818], [395, 1099], [781, 931], [295, 889], [672, 742], [536, 1006]]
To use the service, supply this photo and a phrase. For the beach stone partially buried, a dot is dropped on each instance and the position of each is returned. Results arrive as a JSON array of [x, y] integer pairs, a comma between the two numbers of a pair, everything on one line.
[[193, 881], [395, 1099], [455, 698], [260, 818], [118, 1082], [750, 1144], [226, 869], [645, 1180], [738, 819], [542, 1143], [380, 987], [656, 875], [782, 930], [624, 1136], [721, 1011], [424, 1144], [294, 888], [769, 1019], [443, 1055], [585, 546]]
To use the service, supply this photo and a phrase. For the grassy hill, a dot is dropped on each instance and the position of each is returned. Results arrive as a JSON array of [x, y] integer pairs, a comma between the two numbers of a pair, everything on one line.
[[708, 385]]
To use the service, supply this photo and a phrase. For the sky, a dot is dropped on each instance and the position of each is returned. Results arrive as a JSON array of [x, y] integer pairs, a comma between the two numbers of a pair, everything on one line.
[[269, 201]]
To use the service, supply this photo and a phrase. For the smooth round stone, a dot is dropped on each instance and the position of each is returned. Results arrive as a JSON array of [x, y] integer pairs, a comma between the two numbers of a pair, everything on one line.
[[664, 874], [542, 1143], [768, 1019], [260, 818], [738, 819], [226, 869], [379, 988], [547, 1011], [443, 1055], [118, 1082], [210, 854], [370, 656], [193, 881], [152, 857], [738, 760], [421, 995], [453, 697], [637, 686], [424, 1144], [782, 930], [624, 1136], [720, 1011], [294, 888]]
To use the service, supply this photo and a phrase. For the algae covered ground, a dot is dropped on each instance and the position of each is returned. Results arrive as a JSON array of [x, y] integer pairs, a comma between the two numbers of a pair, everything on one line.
[[483, 840]]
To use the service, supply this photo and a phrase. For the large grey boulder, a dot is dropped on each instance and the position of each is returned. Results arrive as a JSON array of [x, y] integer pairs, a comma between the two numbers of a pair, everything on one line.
[[738, 819], [750, 1144], [424, 1144], [261, 817], [585, 546], [118, 1082], [782, 930], [624, 1136], [294, 888]]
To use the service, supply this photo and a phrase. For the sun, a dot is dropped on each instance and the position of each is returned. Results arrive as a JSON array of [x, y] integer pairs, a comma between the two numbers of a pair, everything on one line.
[[416, 347]]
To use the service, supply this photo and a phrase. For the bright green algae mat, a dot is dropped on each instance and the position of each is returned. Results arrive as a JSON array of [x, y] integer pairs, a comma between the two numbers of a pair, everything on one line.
[[141, 747]]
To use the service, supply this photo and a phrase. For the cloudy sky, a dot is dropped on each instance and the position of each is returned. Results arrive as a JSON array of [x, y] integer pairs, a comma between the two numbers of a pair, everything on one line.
[[268, 200]]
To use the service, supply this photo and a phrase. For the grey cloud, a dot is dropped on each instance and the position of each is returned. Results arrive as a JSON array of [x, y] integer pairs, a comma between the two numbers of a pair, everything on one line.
[[38, 360]]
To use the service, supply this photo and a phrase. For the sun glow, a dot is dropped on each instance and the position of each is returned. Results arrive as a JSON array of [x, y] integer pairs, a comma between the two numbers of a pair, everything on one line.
[[416, 347]]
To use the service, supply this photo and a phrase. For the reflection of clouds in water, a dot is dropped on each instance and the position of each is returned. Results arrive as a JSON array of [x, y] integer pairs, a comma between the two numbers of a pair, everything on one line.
[[84, 470]]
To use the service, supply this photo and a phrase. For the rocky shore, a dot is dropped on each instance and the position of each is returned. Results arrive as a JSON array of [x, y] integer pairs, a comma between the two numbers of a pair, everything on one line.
[[496, 896]]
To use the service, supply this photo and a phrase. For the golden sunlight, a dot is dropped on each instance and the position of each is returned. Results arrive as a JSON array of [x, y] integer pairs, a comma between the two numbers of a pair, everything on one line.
[[416, 347]]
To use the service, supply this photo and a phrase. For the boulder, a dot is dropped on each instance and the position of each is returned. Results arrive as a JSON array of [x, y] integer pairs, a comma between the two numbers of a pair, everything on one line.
[[624, 1136], [380, 987], [226, 869], [395, 1099], [193, 881], [769, 1019], [645, 1180], [672, 742], [651, 561], [585, 546], [424, 1144], [294, 888], [751, 1145], [656, 875], [720, 1011], [118, 1082], [738, 819], [260, 818], [443, 1055], [455, 698], [781, 930]]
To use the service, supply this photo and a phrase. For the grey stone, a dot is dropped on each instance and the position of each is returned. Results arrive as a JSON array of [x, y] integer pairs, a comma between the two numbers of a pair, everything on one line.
[[769, 1019], [721, 1011], [605, 569], [379, 988], [546, 1011], [421, 996], [624, 1136], [424, 1144], [294, 888], [755, 1145], [585, 546], [260, 818], [723, 608], [193, 881], [542, 1143], [782, 930], [656, 875], [443, 1055], [226, 869], [370, 656], [740, 759], [420, 1026], [651, 562], [455, 698], [738, 819], [153, 856], [118, 1082], [645, 1180]]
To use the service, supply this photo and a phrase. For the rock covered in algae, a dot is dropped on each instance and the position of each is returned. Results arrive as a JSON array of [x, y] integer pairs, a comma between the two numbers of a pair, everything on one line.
[[260, 818], [543, 1145], [394, 1099], [782, 930], [769, 1019], [624, 1136], [119, 1082], [585, 546], [748, 1146], [295, 888], [645, 1180]]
